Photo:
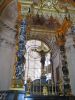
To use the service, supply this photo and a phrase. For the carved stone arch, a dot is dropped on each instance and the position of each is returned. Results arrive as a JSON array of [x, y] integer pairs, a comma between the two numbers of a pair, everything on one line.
[[46, 38], [7, 16], [4, 4]]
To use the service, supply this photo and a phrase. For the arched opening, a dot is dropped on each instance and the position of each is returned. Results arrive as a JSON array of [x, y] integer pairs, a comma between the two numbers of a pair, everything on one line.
[[33, 65]]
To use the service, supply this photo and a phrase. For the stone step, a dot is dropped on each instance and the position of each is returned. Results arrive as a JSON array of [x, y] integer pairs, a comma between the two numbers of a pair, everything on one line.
[[20, 95]]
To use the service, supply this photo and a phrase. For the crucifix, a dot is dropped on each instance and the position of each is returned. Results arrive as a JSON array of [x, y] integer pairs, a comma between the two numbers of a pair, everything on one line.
[[42, 51]]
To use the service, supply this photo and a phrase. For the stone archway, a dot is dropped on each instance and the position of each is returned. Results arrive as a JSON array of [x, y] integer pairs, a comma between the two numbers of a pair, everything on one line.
[[46, 36], [33, 58], [4, 4]]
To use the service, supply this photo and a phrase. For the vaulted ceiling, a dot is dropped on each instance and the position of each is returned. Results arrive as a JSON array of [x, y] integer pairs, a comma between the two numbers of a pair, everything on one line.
[[3, 4], [55, 9], [69, 4]]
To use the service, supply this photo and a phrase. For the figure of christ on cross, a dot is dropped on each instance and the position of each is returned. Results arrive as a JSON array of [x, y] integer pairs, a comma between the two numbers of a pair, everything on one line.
[[42, 54]]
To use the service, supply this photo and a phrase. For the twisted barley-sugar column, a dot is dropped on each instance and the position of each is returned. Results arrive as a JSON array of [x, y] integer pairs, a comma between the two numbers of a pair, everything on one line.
[[14, 67], [19, 19], [60, 35], [16, 49]]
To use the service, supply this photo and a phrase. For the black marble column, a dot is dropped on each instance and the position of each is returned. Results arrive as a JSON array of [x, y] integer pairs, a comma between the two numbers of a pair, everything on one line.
[[67, 87]]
